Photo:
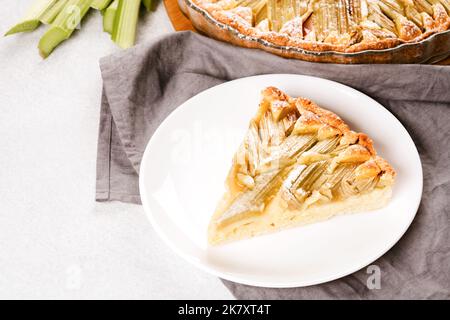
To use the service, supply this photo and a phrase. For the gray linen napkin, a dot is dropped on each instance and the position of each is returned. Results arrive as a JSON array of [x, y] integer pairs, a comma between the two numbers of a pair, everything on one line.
[[144, 84]]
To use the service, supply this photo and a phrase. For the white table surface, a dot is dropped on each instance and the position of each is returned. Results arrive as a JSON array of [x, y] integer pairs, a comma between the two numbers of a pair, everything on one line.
[[56, 242]]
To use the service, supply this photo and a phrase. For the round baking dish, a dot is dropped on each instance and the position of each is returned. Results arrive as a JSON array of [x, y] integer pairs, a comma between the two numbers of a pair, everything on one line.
[[430, 50]]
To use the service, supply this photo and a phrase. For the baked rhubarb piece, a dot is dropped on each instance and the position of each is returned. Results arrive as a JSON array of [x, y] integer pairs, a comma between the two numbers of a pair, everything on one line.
[[298, 164]]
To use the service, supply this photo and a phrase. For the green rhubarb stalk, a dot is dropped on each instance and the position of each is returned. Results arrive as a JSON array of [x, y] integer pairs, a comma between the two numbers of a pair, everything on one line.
[[125, 23], [100, 4], [109, 17], [148, 4], [63, 26], [49, 16], [31, 20]]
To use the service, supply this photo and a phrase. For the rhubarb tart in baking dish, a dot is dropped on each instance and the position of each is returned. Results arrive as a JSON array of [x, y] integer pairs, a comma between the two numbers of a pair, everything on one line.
[[332, 25]]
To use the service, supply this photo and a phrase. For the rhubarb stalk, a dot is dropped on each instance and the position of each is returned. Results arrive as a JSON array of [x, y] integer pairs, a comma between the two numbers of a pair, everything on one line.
[[109, 17], [125, 23], [31, 20], [50, 15], [64, 25]]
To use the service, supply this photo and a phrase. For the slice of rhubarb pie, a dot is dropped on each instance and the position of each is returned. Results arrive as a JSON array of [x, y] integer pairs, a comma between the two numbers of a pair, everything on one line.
[[298, 164]]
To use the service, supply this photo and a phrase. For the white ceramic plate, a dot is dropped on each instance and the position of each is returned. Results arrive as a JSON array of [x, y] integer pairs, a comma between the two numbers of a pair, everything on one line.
[[187, 159]]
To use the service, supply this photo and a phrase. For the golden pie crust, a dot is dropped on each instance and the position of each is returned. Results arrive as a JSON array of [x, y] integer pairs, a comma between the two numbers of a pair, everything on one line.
[[350, 25]]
